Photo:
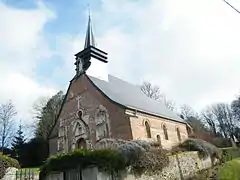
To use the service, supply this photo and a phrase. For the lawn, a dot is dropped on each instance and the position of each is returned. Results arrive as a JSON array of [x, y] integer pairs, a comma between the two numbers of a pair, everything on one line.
[[230, 170]]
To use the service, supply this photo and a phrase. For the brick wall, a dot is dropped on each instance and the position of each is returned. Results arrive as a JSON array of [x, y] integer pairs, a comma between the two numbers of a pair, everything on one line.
[[156, 128], [122, 124], [91, 99]]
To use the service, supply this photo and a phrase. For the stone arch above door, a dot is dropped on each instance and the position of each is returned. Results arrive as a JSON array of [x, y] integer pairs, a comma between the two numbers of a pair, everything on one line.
[[80, 130]]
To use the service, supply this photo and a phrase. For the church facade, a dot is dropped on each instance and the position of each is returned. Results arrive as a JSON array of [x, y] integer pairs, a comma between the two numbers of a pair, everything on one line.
[[95, 109]]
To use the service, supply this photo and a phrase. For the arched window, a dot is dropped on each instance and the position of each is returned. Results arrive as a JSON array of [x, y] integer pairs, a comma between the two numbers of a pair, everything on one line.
[[165, 132], [81, 144], [178, 134], [148, 131]]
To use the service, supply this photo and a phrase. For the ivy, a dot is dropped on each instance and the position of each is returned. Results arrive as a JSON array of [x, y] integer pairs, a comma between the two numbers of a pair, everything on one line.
[[106, 160], [6, 162], [136, 155], [204, 148]]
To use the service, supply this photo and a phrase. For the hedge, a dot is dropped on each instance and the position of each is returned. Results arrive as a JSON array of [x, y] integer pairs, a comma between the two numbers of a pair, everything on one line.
[[6, 162], [204, 148], [106, 160], [136, 155], [230, 153]]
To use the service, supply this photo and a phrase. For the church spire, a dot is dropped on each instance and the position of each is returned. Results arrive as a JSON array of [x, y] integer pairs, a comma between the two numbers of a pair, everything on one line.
[[89, 40], [83, 58]]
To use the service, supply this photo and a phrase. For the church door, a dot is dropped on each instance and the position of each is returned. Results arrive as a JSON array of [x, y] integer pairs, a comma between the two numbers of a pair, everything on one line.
[[81, 144]]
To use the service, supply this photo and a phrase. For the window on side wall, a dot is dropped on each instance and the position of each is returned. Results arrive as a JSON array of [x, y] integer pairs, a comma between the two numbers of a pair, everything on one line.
[[148, 130], [178, 134], [165, 132]]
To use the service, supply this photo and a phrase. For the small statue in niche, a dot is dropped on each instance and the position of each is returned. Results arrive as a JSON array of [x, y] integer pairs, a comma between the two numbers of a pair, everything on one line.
[[101, 124]]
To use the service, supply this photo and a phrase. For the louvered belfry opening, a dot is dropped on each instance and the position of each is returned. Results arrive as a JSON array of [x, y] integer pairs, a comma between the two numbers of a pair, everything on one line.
[[90, 51]]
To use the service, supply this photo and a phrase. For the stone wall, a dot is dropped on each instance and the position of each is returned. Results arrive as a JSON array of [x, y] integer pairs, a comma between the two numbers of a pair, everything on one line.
[[181, 166]]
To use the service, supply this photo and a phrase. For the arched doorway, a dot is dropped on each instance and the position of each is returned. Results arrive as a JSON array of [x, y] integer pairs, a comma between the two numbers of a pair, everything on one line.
[[81, 144]]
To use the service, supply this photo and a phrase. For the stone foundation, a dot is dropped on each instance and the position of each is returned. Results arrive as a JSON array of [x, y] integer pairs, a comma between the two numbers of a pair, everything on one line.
[[181, 166]]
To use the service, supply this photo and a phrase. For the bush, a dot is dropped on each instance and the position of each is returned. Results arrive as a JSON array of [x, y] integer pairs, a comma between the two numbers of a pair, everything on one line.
[[151, 161], [221, 142], [230, 153], [6, 162], [134, 154], [131, 152], [203, 147], [105, 160], [141, 157]]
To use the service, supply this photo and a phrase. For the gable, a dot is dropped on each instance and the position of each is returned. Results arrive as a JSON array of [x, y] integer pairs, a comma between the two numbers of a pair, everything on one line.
[[90, 99]]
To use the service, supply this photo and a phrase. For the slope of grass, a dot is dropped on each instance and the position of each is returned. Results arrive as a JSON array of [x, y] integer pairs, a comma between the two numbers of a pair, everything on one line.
[[230, 170]]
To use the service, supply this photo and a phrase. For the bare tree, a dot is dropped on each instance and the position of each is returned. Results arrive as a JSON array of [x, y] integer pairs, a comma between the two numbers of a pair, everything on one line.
[[210, 120], [187, 112], [154, 92], [220, 116], [235, 105], [168, 103], [7, 113], [37, 110], [151, 91]]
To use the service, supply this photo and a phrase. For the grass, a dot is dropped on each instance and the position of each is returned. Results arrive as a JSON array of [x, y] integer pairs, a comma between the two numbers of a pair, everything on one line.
[[230, 170], [27, 171]]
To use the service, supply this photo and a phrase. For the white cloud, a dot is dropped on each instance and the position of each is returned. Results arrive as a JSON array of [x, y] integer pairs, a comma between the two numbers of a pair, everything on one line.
[[189, 48], [21, 45]]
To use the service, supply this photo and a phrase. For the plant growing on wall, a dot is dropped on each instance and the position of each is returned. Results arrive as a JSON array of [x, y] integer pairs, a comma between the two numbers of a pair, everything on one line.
[[136, 155], [106, 160], [6, 162], [204, 148]]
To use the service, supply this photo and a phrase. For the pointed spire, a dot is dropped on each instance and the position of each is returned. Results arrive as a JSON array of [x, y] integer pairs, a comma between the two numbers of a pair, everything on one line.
[[89, 40]]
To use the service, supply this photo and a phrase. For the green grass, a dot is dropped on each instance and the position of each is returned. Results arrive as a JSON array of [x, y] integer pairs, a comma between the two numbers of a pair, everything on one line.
[[230, 170], [26, 171]]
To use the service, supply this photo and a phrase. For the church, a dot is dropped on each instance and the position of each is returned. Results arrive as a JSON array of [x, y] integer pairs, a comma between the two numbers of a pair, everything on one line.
[[94, 109]]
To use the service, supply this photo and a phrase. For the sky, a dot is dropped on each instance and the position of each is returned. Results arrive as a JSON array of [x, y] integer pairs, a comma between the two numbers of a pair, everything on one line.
[[189, 48]]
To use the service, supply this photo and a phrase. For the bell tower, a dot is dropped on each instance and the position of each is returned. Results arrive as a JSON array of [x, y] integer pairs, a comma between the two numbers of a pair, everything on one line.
[[84, 57]]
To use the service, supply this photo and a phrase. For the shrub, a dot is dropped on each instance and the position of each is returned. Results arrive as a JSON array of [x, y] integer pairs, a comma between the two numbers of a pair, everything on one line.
[[109, 143], [6, 162], [146, 145], [106, 160], [134, 154], [203, 147], [230, 153], [151, 161], [131, 152], [221, 142]]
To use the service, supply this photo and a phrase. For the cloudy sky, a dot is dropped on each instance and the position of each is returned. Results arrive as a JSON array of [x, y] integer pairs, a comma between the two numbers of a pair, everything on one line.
[[190, 48]]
